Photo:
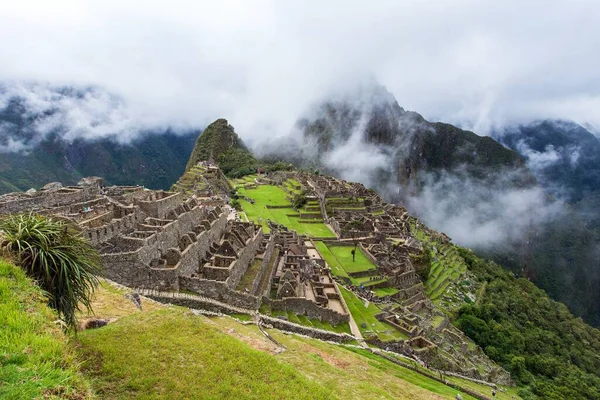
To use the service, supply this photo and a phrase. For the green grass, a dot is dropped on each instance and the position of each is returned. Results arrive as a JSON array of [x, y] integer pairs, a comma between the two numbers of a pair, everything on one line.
[[366, 315], [166, 352], [344, 256], [35, 360], [173, 354], [314, 323], [408, 375], [248, 278], [340, 261], [381, 292], [334, 264], [268, 195]]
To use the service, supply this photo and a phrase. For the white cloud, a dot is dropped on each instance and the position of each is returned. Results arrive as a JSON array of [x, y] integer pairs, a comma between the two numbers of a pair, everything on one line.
[[260, 63]]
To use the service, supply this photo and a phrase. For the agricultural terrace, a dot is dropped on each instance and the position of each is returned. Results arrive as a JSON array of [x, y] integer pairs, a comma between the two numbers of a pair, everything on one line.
[[340, 261], [448, 283], [265, 196], [364, 313]]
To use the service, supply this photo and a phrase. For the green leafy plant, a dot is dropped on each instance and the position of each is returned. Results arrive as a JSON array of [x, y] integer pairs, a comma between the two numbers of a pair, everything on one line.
[[57, 257]]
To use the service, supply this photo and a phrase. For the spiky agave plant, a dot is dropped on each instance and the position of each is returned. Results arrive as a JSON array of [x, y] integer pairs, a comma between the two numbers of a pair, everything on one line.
[[57, 257]]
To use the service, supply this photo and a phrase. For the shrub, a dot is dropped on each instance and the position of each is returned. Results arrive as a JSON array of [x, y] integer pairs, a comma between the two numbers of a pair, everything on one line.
[[57, 257]]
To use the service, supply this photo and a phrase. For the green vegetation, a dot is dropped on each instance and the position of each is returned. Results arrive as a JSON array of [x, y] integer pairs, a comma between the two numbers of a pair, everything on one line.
[[35, 361], [192, 359], [382, 292], [366, 315], [340, 261], [154, 160], [248, 278], [219, 143], [446, 272], [167, 352], [57, 257], [265, 196], [343, 256], [191, 180], [535, 338], [216, 140]]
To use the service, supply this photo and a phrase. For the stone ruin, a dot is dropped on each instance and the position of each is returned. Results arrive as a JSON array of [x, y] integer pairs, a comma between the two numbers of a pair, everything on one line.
[[303, 284], [188, 241]]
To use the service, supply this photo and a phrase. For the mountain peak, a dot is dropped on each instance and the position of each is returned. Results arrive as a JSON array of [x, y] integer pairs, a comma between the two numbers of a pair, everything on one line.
[[216, 140]]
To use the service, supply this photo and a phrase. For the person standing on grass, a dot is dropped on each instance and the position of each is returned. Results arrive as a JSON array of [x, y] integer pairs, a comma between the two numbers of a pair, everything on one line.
[[458, 397]]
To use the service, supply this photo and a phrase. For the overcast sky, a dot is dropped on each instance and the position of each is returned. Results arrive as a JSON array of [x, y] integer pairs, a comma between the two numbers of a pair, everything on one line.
[[260, 63]]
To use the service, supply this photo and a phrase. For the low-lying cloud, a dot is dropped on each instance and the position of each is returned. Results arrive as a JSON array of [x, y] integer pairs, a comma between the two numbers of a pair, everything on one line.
[[260, 63]]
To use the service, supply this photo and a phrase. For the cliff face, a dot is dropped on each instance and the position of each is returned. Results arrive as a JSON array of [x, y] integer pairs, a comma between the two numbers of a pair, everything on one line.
[[405, 148]]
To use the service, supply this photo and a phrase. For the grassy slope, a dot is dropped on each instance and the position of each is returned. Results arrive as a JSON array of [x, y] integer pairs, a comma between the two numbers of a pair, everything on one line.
[[167, 352], [35, 360], [366, 315]]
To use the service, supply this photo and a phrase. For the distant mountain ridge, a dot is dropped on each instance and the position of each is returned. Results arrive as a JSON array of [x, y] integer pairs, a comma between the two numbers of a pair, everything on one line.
[[40, 142], [408, 147], [563, 155]]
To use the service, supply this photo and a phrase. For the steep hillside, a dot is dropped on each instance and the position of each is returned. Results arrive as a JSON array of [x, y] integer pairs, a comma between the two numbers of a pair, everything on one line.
[[397, 147], [237, 360], [36, 361], [534, 337], [218, 143], [471, 187]]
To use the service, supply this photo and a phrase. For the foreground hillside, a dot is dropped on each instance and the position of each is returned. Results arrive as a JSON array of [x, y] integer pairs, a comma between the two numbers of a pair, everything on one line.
[[170, 352], [219, 357], [35, 359]]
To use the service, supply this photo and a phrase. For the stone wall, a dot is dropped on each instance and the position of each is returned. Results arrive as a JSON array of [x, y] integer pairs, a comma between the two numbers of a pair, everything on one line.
[[113, 228], [303, 306], [264, 268], [159, 208], [305, 330], [133, 268], [45, 199], [219, 291], [239, 267]]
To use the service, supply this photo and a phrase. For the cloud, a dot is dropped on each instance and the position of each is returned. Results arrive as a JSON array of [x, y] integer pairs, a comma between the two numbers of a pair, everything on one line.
[[261, 63], [88, 113], [478, 213], [538, 160]]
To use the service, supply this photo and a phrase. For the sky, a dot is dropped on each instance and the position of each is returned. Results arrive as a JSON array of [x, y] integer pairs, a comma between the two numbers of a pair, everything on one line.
[[260, 64]]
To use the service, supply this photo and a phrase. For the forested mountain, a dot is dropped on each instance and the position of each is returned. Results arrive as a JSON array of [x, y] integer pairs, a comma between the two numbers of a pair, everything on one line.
[[41, 142]]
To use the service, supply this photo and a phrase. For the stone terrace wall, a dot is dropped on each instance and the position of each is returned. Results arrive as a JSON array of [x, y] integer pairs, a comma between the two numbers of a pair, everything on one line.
[[246, 256], [132, 268], [219, 291], [159, 208], [46, 200], [304, 330], [264, 268], [114, 228], [300, 305]]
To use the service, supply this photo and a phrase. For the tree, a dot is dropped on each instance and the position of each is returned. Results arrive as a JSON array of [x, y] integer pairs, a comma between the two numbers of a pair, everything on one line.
[[57, 257], [353, 228]]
